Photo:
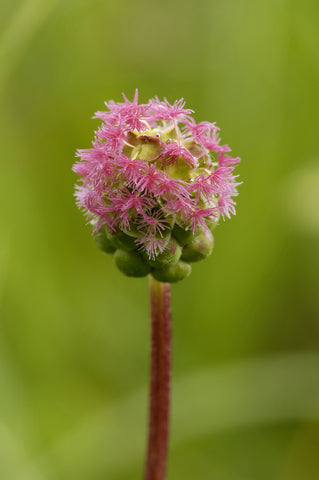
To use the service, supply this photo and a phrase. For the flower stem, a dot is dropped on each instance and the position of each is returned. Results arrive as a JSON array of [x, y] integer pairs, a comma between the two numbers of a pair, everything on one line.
[[160, 303]]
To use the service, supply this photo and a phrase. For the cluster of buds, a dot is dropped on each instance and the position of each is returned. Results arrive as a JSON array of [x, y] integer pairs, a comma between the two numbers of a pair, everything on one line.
[[154, 185]]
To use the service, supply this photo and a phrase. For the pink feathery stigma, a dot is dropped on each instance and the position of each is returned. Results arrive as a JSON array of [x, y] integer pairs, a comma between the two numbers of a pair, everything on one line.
[[150, 179], [152, 244], [200, 216], [170, 188], [167, 112], [154, 224], [173, 152], [150, 167]]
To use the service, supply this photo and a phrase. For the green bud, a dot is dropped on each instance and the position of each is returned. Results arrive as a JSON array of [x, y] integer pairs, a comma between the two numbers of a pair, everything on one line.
[[122, 241], [172, 273], [171, 222], [213, 224], [132, 230], [169, 256], [103, 242], [199, 248], [182, 236], [131, 263]]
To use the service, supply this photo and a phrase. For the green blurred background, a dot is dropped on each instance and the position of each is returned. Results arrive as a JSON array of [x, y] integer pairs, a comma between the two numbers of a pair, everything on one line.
[[74, 332]]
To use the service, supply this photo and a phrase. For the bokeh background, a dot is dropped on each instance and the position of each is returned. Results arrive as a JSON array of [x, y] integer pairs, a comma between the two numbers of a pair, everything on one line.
[[74, 332]]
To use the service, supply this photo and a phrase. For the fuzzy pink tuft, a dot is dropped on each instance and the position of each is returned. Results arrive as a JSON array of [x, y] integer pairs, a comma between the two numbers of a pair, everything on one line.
[[152, 166]]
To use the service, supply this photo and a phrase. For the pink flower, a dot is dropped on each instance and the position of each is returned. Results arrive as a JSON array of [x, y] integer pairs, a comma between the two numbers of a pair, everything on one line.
[[149, 180], [129, 114], [167, 112], [172, 152], [152, 244], [154, 224], [200, 216], [202, 188], [150, 167], [169, 188]]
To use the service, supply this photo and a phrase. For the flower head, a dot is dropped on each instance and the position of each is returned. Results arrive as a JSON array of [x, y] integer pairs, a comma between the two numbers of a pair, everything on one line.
[[154, 183]]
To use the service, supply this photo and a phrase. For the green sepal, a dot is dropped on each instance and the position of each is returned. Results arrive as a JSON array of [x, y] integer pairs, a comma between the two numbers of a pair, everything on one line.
[[172, 273], [149, 149], [169, 256], [200, 248], [180, 169], [103, 242], [131, 263]]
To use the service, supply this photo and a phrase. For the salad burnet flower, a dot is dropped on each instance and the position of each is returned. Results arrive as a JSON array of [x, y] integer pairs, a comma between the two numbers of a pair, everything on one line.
[[154, 185]]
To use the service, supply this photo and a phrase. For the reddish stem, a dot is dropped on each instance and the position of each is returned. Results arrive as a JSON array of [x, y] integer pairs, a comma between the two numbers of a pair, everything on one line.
[[160, 300]]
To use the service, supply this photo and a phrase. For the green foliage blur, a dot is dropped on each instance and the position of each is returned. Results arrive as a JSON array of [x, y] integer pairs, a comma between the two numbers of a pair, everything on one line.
[[74, 332]]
